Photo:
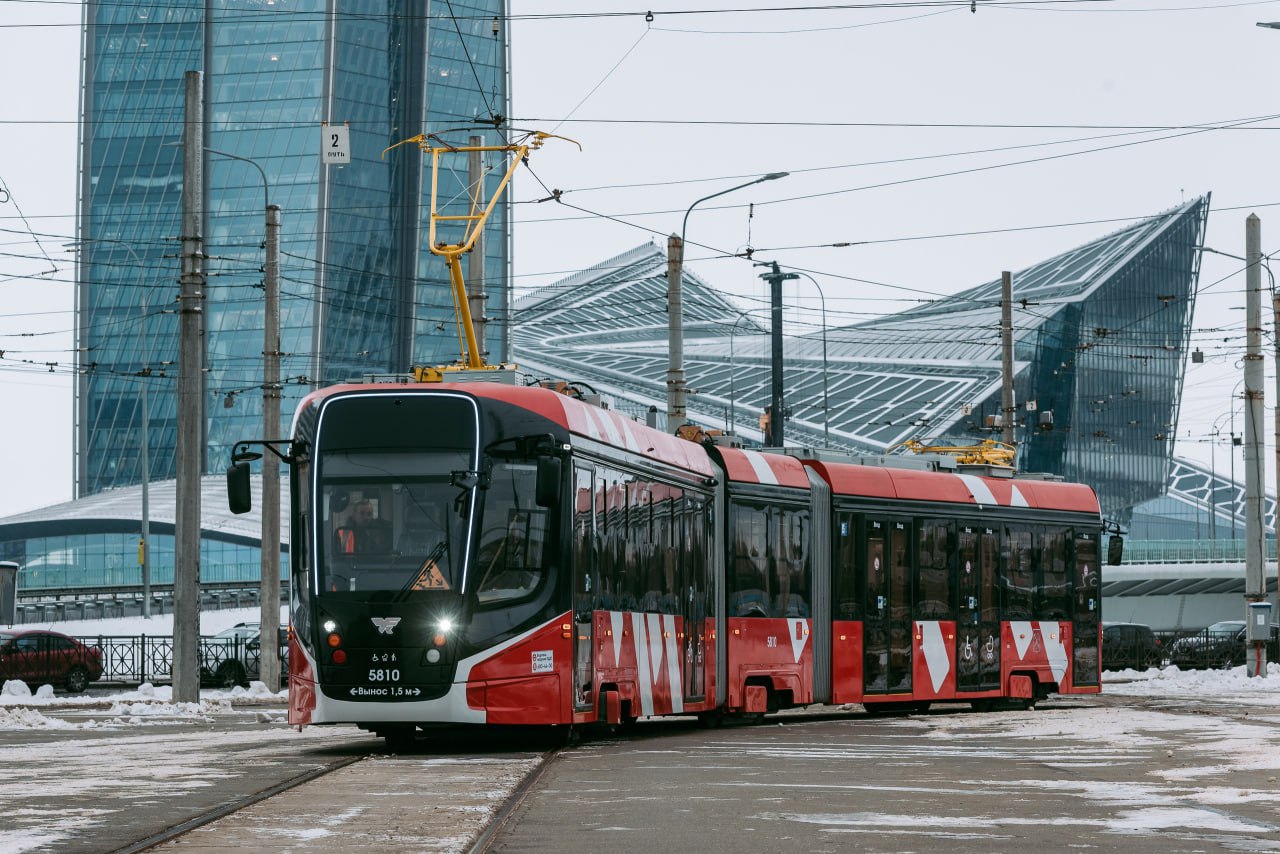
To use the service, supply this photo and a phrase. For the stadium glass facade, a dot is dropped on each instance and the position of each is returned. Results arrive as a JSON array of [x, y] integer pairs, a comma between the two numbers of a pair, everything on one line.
[[360, 292], [1100, 345]]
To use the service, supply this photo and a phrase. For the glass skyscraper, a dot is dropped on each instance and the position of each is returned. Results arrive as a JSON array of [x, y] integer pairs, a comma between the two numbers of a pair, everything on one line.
[[360, 292]]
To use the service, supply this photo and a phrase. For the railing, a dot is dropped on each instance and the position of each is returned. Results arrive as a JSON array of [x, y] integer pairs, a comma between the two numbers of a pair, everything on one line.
[[70, 578], [1190, 551], [1188, 649], [132, 660]]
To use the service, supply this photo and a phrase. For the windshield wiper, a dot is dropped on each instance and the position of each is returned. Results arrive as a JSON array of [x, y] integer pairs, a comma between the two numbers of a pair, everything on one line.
[[426, 566]]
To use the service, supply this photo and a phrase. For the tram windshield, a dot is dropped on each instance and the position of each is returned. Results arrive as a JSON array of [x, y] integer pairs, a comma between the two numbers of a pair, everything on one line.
[[399, 523], [394, 522]]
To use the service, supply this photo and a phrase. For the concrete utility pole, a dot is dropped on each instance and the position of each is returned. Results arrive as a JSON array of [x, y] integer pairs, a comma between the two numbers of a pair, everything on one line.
[[1275, 331], [476, 295], [676, 407], [144, 545], [186, 545], [1007, 406], [777, 416], [269, 584], [1255, 583]]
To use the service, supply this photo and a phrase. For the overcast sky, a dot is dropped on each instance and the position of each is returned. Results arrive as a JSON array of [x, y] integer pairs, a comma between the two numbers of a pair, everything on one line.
[[944, 145]]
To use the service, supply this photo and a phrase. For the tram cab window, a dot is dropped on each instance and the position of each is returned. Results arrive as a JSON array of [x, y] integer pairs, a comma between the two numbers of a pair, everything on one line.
[[512, 546]]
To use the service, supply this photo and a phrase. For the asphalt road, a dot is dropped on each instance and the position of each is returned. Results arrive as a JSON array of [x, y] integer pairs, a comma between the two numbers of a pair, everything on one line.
[[1103, 773], [1067, 776]]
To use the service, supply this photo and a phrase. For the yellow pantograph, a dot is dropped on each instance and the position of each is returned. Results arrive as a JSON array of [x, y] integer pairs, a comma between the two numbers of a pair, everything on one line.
[[473, 220]]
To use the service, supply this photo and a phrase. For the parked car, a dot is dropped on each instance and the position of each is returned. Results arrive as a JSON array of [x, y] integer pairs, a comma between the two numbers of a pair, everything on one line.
[[1221, 645], [47, 658], [232, 656], [1126, 645]]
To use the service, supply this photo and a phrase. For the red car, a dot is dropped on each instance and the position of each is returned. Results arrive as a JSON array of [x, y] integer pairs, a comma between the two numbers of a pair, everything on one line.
[[43, 657]]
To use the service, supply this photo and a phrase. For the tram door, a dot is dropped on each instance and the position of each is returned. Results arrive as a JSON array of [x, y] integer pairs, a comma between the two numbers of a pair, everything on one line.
[[887, 628], [697, 588], [584, 558], [1084, 624], [977, 618]]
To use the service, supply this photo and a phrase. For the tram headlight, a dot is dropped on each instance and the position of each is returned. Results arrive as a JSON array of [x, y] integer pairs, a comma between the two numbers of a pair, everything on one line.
[[330, 625], [443, 628]]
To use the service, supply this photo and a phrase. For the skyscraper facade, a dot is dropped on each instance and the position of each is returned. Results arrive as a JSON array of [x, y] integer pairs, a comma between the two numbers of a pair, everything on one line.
[[360, 292]]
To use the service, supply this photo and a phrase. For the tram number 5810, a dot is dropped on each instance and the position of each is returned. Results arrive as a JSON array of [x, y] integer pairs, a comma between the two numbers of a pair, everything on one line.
[[381, 675]]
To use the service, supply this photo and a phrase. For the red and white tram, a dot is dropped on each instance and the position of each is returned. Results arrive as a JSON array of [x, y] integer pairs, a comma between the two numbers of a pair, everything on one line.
[[496, 554]]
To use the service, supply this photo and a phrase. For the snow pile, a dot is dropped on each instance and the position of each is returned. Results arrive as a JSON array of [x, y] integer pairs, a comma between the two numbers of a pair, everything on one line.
[[1174, 682], [31, 719]]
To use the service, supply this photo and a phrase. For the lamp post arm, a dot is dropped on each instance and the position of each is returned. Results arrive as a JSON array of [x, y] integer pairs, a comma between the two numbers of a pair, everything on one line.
[[826, 406], [772, 176], [266, 198]]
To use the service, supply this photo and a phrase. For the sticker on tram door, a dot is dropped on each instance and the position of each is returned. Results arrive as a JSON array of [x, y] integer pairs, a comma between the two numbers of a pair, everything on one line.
[[544, 661]]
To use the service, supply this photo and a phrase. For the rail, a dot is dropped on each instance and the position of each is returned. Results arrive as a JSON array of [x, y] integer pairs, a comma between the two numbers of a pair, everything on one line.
[[1191, 551]]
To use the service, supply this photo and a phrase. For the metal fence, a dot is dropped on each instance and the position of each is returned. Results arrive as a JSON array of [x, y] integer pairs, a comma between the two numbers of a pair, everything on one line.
[[1188, 649], [135, 659]]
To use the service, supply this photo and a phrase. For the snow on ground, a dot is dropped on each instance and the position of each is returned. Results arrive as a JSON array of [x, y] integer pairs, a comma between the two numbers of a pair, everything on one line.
[[21, 708]]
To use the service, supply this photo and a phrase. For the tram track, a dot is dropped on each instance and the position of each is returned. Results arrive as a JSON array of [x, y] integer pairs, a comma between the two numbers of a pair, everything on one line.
[[351, 798], [224, 810]]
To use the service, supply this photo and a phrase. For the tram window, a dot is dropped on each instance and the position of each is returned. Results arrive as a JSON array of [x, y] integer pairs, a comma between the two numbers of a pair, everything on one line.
[[846, 580], [900, 571], [1052, 591], [660, 576], [934, 591], [514, 532], [749, 588], [990, 597], [1018, 579], [584, 532], [792, 564], [769, 576]]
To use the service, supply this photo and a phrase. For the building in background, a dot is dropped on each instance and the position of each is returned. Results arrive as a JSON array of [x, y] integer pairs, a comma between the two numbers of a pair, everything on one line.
[[1101, 334], [1100, 343], [360, 292]]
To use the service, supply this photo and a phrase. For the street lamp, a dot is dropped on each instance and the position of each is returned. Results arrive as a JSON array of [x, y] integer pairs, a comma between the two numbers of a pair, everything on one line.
[[269, 580], [826, 409], [676, 392]]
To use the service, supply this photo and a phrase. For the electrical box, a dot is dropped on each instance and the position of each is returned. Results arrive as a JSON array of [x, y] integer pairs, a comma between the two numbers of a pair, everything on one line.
[[8, 593], [1258, 625]]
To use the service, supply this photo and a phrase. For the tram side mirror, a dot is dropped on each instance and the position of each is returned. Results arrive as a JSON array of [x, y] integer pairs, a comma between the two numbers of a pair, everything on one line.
[[547, 492], [239, 499], [1115, 550]]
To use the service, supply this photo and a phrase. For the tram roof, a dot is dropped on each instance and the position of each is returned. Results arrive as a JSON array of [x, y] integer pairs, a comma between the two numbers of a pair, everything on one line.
[[956, 488], [580, 419], [746, 466]]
